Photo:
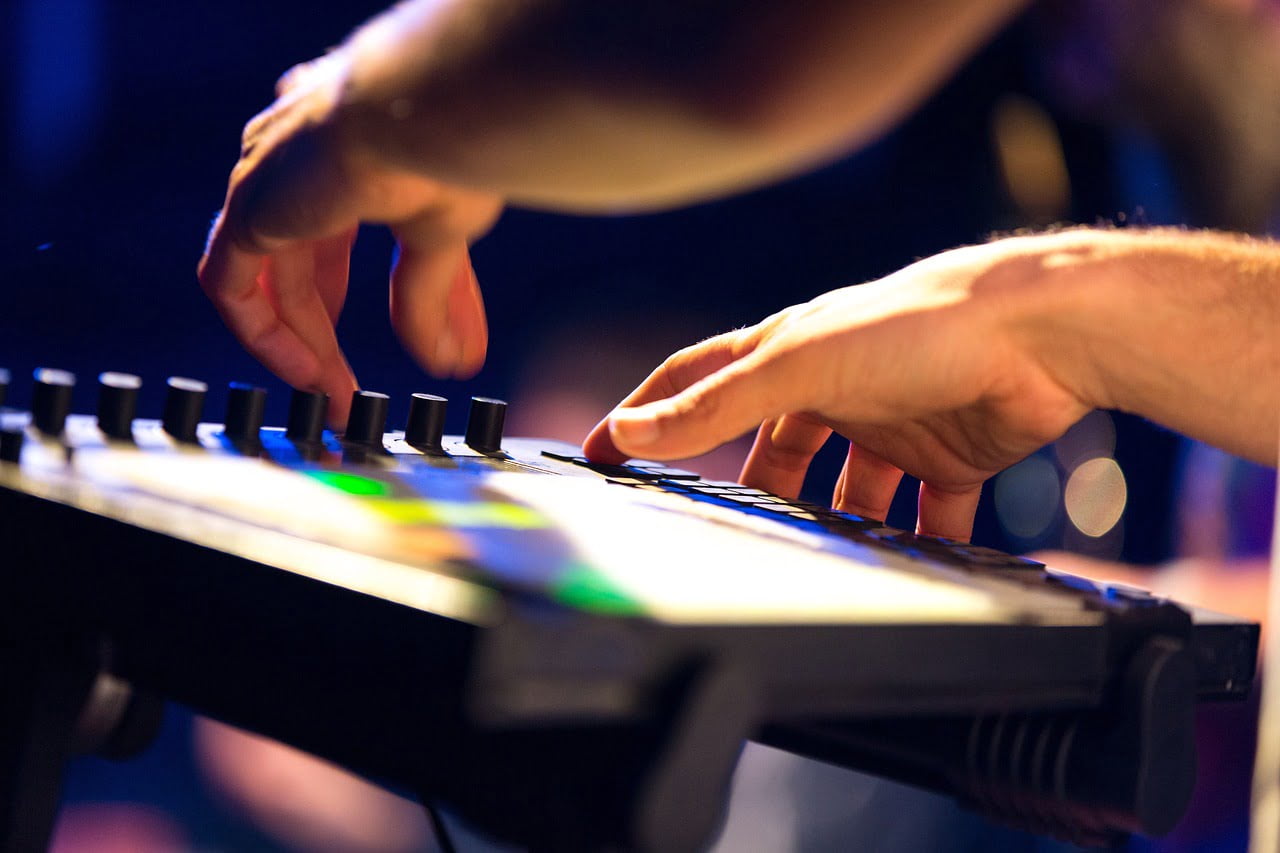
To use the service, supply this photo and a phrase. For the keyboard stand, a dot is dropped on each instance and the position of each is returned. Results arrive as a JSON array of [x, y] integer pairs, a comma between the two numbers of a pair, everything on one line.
[[39, 705], [56, 702]]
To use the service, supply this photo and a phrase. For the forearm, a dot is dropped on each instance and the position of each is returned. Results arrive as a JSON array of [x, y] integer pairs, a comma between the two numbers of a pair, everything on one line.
[[565, 105], [1180, 327]]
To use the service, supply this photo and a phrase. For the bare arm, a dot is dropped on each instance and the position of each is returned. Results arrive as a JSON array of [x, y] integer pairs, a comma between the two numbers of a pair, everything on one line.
[[580, 104]]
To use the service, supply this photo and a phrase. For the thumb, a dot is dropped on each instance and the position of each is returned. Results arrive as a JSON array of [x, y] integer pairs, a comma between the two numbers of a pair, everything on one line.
[[710, 412]]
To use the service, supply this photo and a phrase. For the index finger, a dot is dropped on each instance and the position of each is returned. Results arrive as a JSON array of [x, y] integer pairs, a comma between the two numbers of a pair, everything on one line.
[[229, 277], [677, 373]]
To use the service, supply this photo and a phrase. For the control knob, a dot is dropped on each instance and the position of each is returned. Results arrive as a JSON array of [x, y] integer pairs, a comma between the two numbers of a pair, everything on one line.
[[117, 404], [51, 399], [183, 403], [484, 424], [245, 406], [306, 416], [368, 419], [425, 427]]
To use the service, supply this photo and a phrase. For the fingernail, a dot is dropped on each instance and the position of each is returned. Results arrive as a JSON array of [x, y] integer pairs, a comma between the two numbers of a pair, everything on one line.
[[634, 428], [446, 353]]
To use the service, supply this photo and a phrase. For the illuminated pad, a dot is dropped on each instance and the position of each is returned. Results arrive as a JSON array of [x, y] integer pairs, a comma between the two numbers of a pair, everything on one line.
[[705, 563], [571, 539]]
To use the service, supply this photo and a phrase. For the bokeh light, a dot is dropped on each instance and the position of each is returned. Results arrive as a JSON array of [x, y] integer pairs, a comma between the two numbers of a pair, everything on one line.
[[1026, 497], [1096, 495], [1031, 160]]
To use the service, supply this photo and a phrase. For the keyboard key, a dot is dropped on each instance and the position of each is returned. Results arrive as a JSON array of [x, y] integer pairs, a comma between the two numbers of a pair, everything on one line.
[[666, 473], [564, 457]]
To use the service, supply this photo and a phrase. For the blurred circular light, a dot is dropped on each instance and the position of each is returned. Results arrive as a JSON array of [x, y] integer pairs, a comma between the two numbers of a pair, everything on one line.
[[1026, 497], [1096, 495], [1029, 152]]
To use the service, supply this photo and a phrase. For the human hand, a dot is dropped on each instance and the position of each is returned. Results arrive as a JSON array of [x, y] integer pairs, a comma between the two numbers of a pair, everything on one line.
[[934, 371], [276, 263]]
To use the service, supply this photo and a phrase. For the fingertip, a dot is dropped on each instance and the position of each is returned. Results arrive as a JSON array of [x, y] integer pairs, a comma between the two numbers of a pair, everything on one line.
[[437, 311], [469, 368], [946, 512], [598, 446], [688, 424], [471, 355], [338, 412], [445, 355], [471, 348], [867, 484], [339, 408]]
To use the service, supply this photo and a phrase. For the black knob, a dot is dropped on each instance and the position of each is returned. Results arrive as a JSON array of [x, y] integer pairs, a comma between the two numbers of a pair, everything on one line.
[[117, 404], [183, 403], [12, 434], [245, 405], [484, 424], [425, 427], [51, 399], [368, 419], [4, 384], [306, 416]]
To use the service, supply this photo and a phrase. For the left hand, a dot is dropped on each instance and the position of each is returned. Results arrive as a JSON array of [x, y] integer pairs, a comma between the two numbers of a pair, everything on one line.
[[276, 263]]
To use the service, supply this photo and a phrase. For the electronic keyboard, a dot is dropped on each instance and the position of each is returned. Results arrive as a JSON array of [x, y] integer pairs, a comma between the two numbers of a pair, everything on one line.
[[569, 654]]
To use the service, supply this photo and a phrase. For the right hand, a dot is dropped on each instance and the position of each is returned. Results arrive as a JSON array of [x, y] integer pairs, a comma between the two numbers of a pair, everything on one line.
[[931, 371], [276, 263]]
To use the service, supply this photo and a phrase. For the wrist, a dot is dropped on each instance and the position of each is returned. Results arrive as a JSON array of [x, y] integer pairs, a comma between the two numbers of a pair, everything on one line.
[[1041, 297], [1176, 326], [1082, 313]]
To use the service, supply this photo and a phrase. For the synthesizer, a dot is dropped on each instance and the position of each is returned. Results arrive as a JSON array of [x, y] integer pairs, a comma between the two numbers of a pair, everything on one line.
[[569, 654]]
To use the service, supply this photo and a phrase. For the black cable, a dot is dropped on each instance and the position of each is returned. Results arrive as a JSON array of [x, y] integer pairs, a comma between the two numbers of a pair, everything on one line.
[[443, 841]]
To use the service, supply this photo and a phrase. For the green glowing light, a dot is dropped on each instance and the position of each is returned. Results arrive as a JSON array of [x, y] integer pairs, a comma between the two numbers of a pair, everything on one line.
[[457, 514], [587, 589], [352, 484]]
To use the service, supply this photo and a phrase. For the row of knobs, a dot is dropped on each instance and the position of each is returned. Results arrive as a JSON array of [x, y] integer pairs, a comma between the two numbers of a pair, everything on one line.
[[184, 401]]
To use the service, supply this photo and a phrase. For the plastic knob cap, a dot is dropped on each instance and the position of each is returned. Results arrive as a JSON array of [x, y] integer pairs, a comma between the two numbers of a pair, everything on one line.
[[51, 399], [484, 424], [425, 427], [306, 416], [368, 419], [245, 406], [117, 404], [183, 404]]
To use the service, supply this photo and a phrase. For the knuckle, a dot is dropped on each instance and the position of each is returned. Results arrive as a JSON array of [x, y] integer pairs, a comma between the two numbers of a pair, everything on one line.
[[703, 404], [680, 357], [290, 78]]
